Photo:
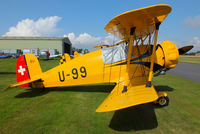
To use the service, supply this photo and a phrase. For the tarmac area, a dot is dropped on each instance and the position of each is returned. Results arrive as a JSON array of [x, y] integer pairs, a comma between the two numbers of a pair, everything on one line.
[[187, 71]]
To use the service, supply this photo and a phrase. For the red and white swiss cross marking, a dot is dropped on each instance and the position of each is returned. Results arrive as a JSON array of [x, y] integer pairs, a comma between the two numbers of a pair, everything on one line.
[[21, 70]]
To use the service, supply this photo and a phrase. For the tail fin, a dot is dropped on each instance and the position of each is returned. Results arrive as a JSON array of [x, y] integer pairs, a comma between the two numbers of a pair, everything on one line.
[[27, 66]]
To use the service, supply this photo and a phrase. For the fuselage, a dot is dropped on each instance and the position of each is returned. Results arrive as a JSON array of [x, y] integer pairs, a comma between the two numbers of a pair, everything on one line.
[[92, 69]]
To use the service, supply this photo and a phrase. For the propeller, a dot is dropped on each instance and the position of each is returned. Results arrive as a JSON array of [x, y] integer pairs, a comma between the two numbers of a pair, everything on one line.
[[185, 49]]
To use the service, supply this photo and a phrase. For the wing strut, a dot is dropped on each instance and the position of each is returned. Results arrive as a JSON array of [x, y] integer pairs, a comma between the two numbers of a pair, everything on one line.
[[153, 55], [130, 50]]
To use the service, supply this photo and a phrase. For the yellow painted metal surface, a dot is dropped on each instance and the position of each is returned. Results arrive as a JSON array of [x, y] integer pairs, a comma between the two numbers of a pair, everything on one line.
[[134, 96], [153, 56], [143, 19], [101, 46], [82, 70], [129, 59], [159, 57], [162, 94], [65, 58], [171, 54], [33, 65], [33, 79], [76, 54]]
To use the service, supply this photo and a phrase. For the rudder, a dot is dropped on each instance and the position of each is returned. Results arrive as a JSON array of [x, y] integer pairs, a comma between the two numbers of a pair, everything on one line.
[[27, 66]]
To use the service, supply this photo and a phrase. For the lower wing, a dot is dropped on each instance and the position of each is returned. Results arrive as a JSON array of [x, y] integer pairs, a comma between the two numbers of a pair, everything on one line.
[[134, 95]]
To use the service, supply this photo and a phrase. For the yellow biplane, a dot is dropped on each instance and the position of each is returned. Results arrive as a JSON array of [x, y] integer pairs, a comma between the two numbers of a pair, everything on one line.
[[129, 64]]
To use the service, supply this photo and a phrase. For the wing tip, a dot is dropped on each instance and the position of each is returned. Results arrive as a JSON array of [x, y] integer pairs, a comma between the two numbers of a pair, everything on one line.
[[11, 86]]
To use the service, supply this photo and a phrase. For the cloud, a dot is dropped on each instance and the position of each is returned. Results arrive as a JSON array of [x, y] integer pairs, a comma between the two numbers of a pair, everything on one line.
[[110, 39], [193, 22], [86, 40], [41, 27], [196, 43], [83, 39]]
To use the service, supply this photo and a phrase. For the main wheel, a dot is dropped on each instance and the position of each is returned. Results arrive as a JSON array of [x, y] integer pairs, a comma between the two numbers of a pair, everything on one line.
[[163, 101]]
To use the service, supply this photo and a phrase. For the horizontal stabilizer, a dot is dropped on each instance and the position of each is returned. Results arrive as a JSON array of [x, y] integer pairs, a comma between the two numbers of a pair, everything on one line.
[[134, 95], [23, 82]]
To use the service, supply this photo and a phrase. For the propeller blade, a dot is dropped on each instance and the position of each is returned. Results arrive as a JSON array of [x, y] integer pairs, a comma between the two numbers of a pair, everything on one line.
[[185, 49]]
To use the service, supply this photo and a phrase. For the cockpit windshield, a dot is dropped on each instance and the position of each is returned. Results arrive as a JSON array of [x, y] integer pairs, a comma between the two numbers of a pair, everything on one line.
[[115, 53]]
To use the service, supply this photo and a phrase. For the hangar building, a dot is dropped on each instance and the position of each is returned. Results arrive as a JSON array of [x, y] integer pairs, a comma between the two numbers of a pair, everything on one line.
[[62, 44]]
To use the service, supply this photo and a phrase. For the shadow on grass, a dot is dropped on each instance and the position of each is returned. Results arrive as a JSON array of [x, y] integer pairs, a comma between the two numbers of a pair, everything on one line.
[[136, 118], [141, 117], [163, 89], [40, 91], [7, 72], [91, 88]]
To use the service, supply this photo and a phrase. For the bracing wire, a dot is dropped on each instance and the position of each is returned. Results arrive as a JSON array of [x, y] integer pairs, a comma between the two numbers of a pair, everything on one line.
[[139, 42]]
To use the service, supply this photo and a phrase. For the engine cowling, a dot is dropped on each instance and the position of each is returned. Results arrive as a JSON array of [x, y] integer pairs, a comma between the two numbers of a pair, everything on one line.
[[171, 54], [167, 54]]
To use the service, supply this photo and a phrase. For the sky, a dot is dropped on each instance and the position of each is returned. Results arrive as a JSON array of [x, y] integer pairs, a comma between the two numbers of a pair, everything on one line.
[[84, 21]]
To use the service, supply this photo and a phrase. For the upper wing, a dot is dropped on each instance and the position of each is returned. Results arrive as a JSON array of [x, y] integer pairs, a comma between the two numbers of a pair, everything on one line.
[[143, 19], [134, 95]]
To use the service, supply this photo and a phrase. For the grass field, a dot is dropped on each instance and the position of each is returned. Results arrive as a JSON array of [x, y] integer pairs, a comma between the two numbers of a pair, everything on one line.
[[190, 59], [72, 110]]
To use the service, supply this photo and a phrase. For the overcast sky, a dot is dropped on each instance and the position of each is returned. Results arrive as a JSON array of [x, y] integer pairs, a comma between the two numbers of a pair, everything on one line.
[[83, 21]]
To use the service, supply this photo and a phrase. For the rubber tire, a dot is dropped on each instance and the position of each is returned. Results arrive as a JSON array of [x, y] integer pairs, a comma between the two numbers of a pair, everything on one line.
[[165, 104]]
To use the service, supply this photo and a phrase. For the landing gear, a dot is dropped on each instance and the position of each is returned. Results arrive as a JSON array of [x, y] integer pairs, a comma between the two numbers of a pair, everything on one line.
[[162, 100]]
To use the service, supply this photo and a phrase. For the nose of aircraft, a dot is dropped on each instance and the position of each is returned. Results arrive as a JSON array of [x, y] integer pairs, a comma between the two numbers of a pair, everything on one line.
[[171, 54]]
